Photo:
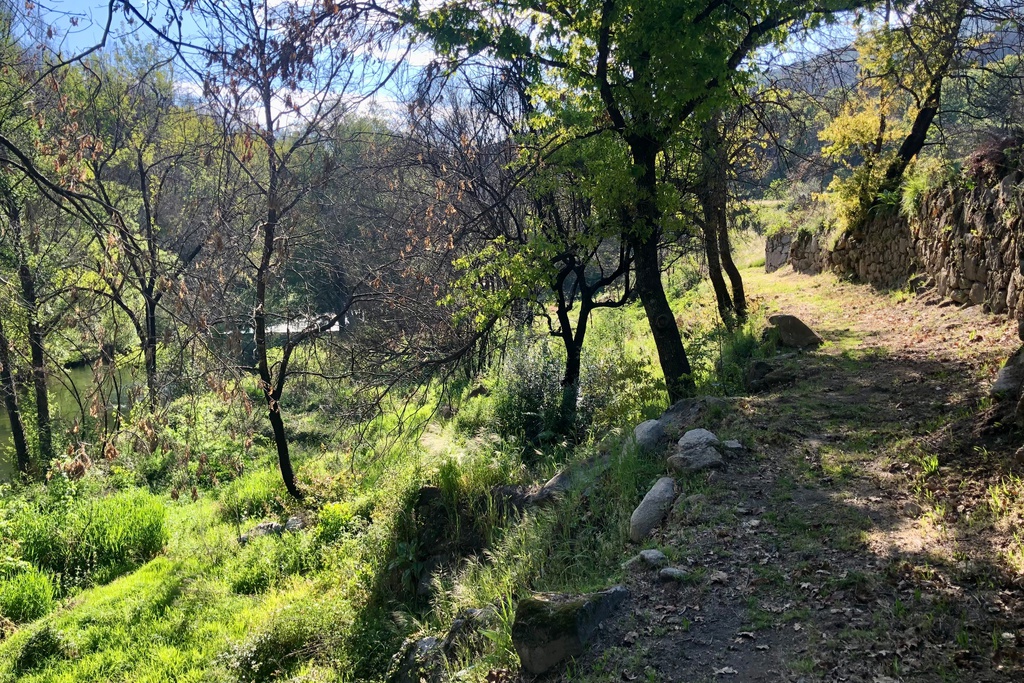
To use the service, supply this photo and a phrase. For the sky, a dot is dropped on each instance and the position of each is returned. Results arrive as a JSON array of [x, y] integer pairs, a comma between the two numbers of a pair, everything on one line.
[[78, 25]]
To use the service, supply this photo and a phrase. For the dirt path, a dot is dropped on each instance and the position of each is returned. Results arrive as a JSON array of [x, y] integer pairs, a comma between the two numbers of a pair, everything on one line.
[[869, 534]]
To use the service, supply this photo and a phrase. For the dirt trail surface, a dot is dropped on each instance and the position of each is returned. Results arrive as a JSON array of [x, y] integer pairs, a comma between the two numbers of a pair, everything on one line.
[[871, 531]]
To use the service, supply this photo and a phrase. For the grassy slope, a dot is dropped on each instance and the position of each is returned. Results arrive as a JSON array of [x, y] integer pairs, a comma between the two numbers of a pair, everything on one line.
[[177, 618], [208, 610]]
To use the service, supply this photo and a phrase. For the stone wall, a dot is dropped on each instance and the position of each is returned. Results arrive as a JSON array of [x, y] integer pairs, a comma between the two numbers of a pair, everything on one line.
[[967, 242], [776, 251]]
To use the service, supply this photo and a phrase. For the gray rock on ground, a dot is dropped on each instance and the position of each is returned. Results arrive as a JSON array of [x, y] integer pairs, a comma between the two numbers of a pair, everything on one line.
[[653, 558], [793, 332], [261, 529], [650, 436], [417, 660], [652, 509], [696, 459], [733, 447], [1010, 378], [549, 628], [673, 574], [697, 437]]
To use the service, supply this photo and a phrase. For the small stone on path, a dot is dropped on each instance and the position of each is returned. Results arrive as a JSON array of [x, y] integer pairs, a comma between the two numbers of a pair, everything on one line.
[[672, 574]]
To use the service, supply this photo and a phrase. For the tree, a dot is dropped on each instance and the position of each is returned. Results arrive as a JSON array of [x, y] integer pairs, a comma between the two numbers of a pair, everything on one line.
[[640, 69], [145, 164], [276, 82], [537, 231]]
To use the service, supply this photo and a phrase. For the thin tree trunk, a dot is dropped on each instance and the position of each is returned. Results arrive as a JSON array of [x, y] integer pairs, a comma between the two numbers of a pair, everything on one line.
[[671, 354], [272, 390], [573, 364], [10, 395], [710, 232], [37, 347], [739, 297], [713, 193], [149, 351]]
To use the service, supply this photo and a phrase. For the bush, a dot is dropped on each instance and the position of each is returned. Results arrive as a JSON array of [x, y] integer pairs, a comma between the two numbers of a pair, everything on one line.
[[291, 635], [527, 399], [41, 646], [26, 596], [337, 519], [82, 542]]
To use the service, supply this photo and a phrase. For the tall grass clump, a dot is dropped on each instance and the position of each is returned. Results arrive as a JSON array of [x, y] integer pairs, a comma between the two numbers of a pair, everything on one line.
[[256, 494], [26, 595], [90, 541]]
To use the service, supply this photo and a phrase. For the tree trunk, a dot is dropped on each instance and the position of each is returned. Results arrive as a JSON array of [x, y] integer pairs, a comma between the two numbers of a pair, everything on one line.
[[37, 354], [739, 297], [573, 365], [710, 231], [272, 390], [149, 351], [713, 193], [9, 391], [671, 354]]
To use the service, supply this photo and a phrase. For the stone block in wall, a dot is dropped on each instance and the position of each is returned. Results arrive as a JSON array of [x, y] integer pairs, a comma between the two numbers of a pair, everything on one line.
[[977, 294], [999, 302]]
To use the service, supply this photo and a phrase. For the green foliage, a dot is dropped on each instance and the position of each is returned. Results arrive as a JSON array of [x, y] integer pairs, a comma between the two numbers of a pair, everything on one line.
[[925, 175], [340, 518], [43, 644], [90, 541], [528, 394], [26, 596], [289, 635], [620, 386]]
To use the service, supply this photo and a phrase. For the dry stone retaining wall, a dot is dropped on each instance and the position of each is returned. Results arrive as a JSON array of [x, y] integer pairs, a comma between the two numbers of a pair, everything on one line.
[[967, 242]]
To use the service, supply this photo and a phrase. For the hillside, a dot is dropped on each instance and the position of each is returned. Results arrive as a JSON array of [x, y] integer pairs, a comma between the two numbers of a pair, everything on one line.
[[866, 533]]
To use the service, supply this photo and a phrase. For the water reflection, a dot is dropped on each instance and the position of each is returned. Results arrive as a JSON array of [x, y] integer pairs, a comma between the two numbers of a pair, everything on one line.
[[75, 393]]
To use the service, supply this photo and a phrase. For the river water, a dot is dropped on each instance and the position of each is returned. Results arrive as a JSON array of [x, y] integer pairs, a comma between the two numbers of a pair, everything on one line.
[[64, 406]]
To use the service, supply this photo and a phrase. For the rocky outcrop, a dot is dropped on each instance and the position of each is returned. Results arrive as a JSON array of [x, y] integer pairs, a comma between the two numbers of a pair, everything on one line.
[[776, 251], [550, 628]]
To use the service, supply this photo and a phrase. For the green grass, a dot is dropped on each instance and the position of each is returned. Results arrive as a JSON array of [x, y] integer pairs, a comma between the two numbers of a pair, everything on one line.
[[160, 588], [82, 541]]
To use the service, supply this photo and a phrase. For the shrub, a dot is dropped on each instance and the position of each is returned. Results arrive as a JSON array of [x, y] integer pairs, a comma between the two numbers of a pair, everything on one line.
[[83, 542], [292, 634], [337, 519], [41, 646], [528, 396], [926, 175], [26, 596]]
